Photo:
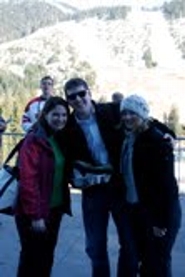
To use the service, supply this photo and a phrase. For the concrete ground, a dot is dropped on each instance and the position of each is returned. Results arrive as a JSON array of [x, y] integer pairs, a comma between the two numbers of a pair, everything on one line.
[[71, 260]]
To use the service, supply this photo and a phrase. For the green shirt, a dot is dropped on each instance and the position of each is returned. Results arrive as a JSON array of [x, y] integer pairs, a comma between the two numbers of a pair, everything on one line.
[[57, 194]]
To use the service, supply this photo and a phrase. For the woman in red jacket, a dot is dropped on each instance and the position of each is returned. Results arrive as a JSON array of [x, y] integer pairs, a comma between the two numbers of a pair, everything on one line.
[[44, 193]]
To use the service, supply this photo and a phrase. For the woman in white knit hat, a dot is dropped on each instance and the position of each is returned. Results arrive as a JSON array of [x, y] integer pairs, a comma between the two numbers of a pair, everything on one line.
[[152, 202]]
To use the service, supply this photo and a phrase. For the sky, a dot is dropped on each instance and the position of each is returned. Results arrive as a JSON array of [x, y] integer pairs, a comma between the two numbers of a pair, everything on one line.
[[83, 4]]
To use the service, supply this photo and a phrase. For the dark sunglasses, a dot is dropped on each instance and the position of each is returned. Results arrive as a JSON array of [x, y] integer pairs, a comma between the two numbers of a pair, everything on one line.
[[73, 96]]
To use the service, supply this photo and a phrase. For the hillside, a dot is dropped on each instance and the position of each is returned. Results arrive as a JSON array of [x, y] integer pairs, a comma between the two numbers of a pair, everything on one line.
[[20, 18], [121, 51]]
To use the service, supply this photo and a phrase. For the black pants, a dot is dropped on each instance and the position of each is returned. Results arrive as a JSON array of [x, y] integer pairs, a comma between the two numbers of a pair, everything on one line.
[[37, 249], [153, 252]]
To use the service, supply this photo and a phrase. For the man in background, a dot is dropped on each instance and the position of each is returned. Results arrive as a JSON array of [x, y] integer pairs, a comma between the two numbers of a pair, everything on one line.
[[117, 97], [35, 105], [3, 125]]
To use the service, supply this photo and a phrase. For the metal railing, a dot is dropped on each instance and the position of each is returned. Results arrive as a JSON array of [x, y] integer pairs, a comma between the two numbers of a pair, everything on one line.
[[9, 140], [179, 152]]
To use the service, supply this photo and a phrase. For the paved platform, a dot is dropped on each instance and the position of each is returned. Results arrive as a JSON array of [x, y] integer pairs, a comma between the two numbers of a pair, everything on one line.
[[71, 260]]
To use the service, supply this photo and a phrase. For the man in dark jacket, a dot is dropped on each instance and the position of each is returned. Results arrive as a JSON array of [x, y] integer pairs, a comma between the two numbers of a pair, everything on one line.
[[92, 140]]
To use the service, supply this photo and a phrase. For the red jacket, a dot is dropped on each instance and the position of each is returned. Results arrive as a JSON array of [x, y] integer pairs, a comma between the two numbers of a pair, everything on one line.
[[31, 112], [36, 169]]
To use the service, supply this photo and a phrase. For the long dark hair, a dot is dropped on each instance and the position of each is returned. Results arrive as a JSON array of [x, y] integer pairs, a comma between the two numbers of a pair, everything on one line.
[[50, 104]]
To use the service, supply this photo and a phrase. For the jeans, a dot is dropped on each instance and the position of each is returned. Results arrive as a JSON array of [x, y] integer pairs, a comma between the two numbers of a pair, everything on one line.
[[98, 203], [37, 249]]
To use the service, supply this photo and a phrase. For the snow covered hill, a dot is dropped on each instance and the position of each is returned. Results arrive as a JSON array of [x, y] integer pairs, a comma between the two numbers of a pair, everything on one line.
[[115, 49]]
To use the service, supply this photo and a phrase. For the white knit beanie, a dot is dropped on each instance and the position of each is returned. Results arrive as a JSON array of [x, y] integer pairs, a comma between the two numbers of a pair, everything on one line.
[[136, 104]]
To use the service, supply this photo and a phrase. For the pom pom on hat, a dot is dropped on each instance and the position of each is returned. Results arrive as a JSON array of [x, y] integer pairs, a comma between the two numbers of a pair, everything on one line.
[[136, 104]]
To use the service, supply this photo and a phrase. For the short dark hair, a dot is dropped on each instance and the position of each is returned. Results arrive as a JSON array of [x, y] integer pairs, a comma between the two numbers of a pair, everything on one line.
[[73, 83], [47, 77], [117, 96]]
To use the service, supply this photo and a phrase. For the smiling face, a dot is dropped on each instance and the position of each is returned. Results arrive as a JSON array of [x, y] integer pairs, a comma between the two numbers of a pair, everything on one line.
[[57, 118], [79, 98], [131, 120]]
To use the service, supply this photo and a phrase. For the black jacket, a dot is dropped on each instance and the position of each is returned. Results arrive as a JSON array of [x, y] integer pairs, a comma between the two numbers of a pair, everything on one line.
[[153, 167], [107, 116]]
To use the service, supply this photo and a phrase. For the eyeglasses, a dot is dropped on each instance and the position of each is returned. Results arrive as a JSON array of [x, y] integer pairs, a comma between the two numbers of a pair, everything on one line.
[[73, 96]]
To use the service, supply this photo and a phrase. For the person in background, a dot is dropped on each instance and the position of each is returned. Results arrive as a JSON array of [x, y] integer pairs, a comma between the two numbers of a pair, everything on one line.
[[152, 200], [93, 141], [117, 97], [34, 107], [3, 125], [44, 194]]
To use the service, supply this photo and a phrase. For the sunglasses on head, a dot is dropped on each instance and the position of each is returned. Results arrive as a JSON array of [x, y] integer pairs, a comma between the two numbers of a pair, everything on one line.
[[73, 96]]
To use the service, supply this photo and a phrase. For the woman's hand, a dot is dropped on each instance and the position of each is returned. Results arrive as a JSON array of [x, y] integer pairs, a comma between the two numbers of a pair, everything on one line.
[[159, 232], [170, 139], [38, 225]]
